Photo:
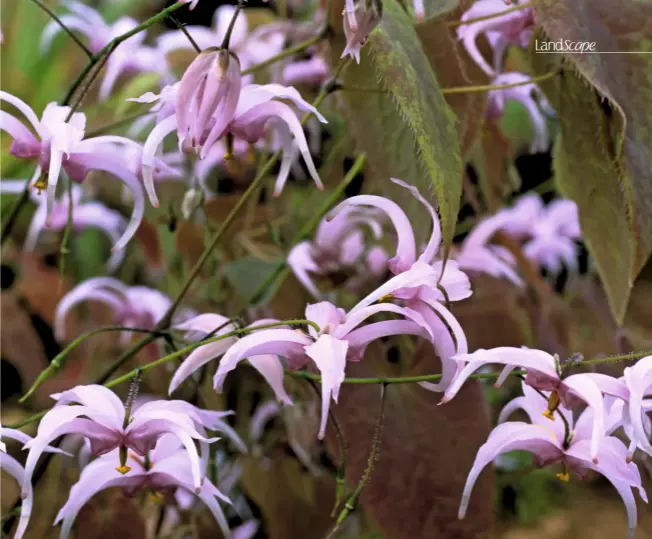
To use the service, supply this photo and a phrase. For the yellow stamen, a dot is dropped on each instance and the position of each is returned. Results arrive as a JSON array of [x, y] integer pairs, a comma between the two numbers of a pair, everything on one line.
[[156, 497], [228, 156], [549, 415], [386, 297], [123, 469], [563, 476], [41, 184]]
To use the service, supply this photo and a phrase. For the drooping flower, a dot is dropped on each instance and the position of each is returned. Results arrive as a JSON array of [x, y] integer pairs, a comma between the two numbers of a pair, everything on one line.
[[268, 365], [421, 282], [544, 374], [339, 338], [549, 443], [364, 20], [257, 106], [165, 467], [130, 56], [60, 144], [15, 469], [84, 215], [549, 233], [96, 413], [132, 306], [515, 27], [477, 255], [638, 379], [530, 96], [339, 245]]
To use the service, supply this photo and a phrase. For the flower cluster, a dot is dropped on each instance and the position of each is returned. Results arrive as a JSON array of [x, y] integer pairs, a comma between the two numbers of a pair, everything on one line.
[[514, 27]]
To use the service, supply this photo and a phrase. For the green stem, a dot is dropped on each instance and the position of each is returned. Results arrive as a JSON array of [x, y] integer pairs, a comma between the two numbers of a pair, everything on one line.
[[227, 37], [63, 248], [10, 221], [67, 30], [518, 7], [183, 28], [59, 360], [115, 42], [118, 123], [489, 87], [350, 504], [282, 271], [299, 47], [191, 347]]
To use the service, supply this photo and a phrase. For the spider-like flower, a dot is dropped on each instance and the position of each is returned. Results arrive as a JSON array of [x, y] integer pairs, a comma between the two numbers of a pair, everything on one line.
[[84, 215], [531, 97], [544, 374], [339, 244], [166, 468], [552, 443], [131, 56], [97, 414], [15, 469], [421, 282], [59, 143], [132, 306], [515, 27], [216, 325], [549, 232], [639, 383], [257, 106], [477, 255], [359, 21], [338, 339]]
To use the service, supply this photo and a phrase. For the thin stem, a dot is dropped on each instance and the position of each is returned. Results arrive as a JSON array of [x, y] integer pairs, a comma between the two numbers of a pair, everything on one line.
[[299, 47], [10, 221], [118, 123], [350, 504], [489, 87], [67, 30], [191, 347], [63, 248], [59, 360], [229, 30], [518, 7], [115, 42], [183, 28]]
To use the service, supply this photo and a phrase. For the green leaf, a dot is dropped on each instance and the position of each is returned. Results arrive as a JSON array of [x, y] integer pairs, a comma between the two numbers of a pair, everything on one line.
[[397, 115], [625, 80], [586, 172], [248, 274]]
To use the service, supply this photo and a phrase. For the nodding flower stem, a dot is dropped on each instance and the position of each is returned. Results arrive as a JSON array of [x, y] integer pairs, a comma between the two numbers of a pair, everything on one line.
[[229, 30]]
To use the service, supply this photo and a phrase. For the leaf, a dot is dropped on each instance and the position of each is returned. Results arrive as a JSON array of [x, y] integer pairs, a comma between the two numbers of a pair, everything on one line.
[[425, 455], [248, 274], [397, 115], [626, 81], [586, 172], [455, 68], [295, 504]]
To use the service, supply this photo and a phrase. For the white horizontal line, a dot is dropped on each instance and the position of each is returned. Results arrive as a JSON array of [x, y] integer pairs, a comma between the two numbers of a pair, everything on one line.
[[596, 52]]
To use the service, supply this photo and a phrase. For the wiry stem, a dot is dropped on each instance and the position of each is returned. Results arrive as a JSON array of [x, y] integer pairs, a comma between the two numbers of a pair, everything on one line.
[[350, 504], [183, 28], [489, 87], [67, 30], [229, 30]]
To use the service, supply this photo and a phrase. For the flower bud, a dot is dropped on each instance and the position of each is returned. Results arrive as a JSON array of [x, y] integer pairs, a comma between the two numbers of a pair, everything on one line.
[[191, 201], [367, 18]]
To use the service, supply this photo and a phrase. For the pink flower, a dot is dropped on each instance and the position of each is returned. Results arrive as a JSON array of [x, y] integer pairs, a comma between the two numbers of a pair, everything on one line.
[[96, 413], [549, 443], [528, 95], [59, 144], [165, 467], [419, 9], [193, 3], [313, 71], [85, 214], [549, 232], [339, 339], [257, 106], [135, 306], [339, 245], [268, 365], [421, 282], [543, 373], [639, 383], [512, 28], [358, 25], [15, 469], [131, 56], [476, 255]]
